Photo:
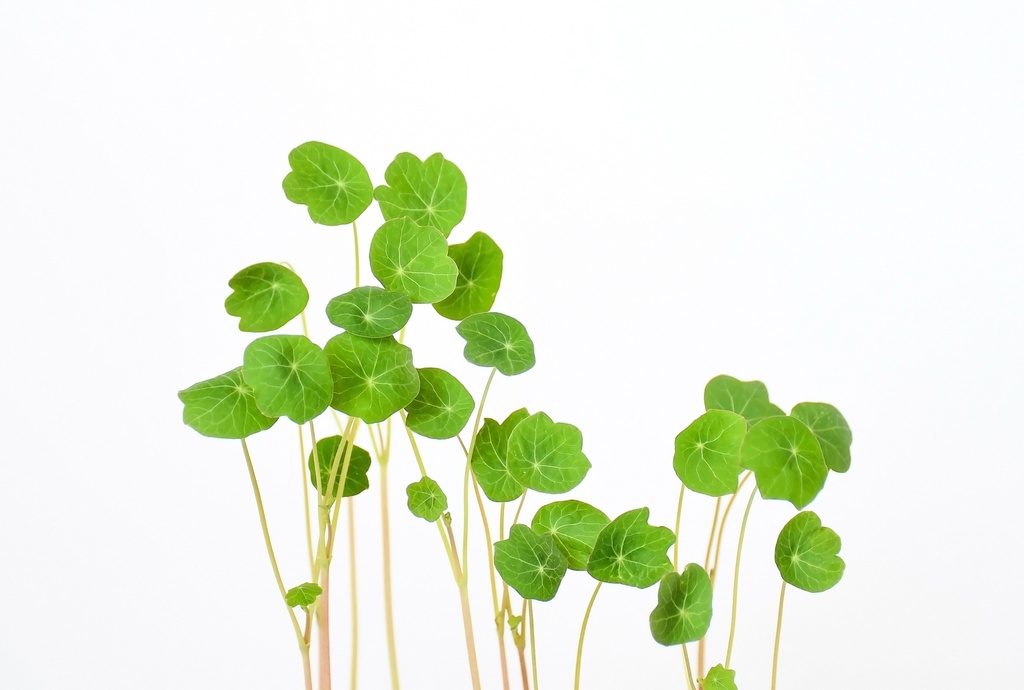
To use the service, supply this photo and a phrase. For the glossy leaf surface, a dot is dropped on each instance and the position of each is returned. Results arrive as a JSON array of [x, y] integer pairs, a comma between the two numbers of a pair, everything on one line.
[[547, 456], [707, 454], [574, 526], [413, 259], [786, 460], [807, 554]]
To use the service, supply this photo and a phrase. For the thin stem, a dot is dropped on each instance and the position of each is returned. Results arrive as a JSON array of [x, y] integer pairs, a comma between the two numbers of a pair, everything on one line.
[[583, 632], [307, 670], [689, 671], [714, 524], [389, 613], [521, 645], [499, 617], [355, 239], [736, 578], [353, 598], [778, 634], [679, 517], [467, 618], [519, 508], [533, 647], [323, 629], [305, 501], [465, 479]]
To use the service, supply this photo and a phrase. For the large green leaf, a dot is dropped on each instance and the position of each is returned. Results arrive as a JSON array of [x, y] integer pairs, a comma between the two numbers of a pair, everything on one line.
[[683, 613], [330, 452], [370, 311], [265, 297], [707, 457], [430, 192], [490, 459], [574, 526], [547, 456], [806, 554], [331, 182], [442, 407], [498, 341], [749, 399], [719, 678], [303, 595], [289, 376], [426, 500], [223, 407], [530, 563], [479, 260], [413, 259], [830, 428], [373, 377], [631, 552], [786, 460]]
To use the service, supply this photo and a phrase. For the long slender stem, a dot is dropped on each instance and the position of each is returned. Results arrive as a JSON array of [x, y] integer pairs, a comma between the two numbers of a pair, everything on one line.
[[679, 518], [353, 598], [533, 647], [519, 508], [307, 669], [323, 629], [689, 670], [467, 618], [714, 525], [521, 643], [465, 479], [389, 613], [499, 617], [355, 239], [736, 578], [778, 634], [583, 632], [305, 501]]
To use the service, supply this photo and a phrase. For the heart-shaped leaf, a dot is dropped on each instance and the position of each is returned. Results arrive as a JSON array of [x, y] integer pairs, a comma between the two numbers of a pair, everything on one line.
[[479, 260], [289, 376], [430, 192], [806, 554], [426, 500], [683, 613], [830, 428], [749, 399], [330, 182], [223, 407], [786, 460], [498, 341], [719, 678], [574, 526], [370, 311], [707, 457], [631, 552], [530, 563], [303, 595], [266, 296], [441, 408], [413, 259], [490, 459], [330, 452], [547, 456], [373, 377]]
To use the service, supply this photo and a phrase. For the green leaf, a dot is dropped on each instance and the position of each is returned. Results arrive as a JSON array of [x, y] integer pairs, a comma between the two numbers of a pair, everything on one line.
[[707, 457], [631, 552], [547, 456], [499, 341], [430, 192], [303, 595], [530, 563], [830, 428], [806, 554], [289, 376], [426, 500], [512, 421], [332, 450], [266, 296], [786, 460], [749, 399], [223, 407], [574, 526], [331, 182], [413, 259], [479, 260], [490, 463], [719, 678], [441, 408], [683, 613], [370, 311], [373, 377]]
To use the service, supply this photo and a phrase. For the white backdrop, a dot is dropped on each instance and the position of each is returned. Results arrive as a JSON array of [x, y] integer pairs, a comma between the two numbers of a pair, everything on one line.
[[822, 197]]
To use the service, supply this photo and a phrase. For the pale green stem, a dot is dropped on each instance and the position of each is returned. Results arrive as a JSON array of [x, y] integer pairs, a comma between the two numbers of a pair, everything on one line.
[[499, 617], [465, 479], [778, 634], [440, 521], [519, 508], [467, 618], [355, 239], [305, 502], [689, 670], [353, 598], [583, 632], [389, 613], [679, 518], [714, 525], [533, 648], [736, 578]]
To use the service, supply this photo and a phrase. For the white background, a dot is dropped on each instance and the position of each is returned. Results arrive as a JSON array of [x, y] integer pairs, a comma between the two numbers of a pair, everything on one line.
[[822, 196]]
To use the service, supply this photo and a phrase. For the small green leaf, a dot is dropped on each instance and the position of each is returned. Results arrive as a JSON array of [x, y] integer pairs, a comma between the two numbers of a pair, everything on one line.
[[499, 341], [331, 182], [530, 563], [370, 311], [373, 377], [806, 554], [707, 457], [413, 259], [303, 595], [683, 613], [441, 408], [574, 526], [490, 463], [289, 376], [830, 428], [786, 460], [547, 456], [719, 678], [749, 399], [332, 450], [430, 192], [479, 260], [426, 500], [514, 621], [631, 552], [223, 407], [266, 296]]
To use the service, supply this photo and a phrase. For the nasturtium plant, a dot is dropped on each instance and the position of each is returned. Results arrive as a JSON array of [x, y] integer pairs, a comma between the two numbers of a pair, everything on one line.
[[807, 554], [513, 419], [442, 406], [289, 376], [707, 457], [303, 595], [426, 499], [630, 551], [413, 259], [830, 428], [749, 399], [370, 311], [223, 407], [719, 678], [373, 377], [498, 341], [430, 192], [786, 460], [330, 182], [530, 563], [330, 455], [490, 459], [547, 456], [265, 297], [683, 613], [574, 526], [479, 260]]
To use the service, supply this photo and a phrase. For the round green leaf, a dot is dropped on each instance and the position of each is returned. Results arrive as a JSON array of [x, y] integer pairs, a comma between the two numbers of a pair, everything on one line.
[[719, 678], [289, 376], [430, 192], [786, 460], [441, 408], [749, 399], [498, 341], [707, 457], [830, 428], [373, 377], [370, 311], [413, 259], [266, 296], [547, 456], [530, 563], [331, 452], [683, 613], [223, 407], [479, 260], [806, 554], [490, 463], [574, 526], [512, 421], [331, 182], [631, 552], [304, 595], [426, 500]]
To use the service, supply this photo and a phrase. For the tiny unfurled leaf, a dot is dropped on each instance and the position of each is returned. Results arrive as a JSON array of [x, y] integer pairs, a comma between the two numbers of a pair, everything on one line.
[[830, 428], [786, 460], [530, 563], [683, 613], [719, 678], [426, 500], [303, 595], [223, 407], [479, 260], [289, 376], [514, 621], [373, 377], [574, 526], [547, 456], [330, 452], [441, 408], [707, 457], [749, 399], [806, 554], [370, 311], [413, 259], [430, 192], [265, 297], [330, 182], [630, 551], [499, 341], [490, 463]]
